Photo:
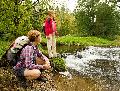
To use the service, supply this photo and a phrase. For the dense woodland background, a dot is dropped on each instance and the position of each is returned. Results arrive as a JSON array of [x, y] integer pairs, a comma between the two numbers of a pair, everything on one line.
[[90, 18]]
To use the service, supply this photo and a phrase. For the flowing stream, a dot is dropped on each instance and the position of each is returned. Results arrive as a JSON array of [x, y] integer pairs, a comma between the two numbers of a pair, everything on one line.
[[92, 69]]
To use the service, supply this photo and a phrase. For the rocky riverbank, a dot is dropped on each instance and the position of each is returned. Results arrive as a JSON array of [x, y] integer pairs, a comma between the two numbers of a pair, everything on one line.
[[9, 82]]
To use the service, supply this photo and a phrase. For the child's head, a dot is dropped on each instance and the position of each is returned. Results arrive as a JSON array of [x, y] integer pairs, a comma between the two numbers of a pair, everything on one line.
[[51, 13], [34, 36]]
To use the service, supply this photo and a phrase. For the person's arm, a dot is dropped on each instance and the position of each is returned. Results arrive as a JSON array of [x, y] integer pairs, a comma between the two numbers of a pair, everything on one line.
[[28, 55], [54, 28], [44, 58], [47, 63]]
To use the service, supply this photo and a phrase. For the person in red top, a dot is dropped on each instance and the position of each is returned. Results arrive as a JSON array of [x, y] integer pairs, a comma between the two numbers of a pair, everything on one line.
[[50, 32]]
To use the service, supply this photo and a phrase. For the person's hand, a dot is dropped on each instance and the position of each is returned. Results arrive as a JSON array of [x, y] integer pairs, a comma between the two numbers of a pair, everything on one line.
[[56, 33], [48, 37], [46, 66]]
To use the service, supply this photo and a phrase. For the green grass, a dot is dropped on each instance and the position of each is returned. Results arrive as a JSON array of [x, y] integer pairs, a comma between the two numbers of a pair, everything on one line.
[[85, 41], [70, 40]]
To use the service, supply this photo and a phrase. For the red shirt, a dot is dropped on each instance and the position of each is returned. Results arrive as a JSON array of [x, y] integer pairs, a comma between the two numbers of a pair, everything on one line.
[[54, 26], [48, 26]]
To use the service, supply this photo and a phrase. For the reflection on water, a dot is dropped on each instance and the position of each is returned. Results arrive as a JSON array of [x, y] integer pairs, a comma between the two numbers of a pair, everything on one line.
[[97, 70], [76, 84], [70, 49]]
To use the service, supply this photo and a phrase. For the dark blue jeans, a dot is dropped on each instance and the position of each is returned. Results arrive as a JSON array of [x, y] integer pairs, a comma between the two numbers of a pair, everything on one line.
[[19, 72]]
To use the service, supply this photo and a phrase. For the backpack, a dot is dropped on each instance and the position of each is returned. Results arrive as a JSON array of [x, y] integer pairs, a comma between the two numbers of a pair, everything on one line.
[[12, 55], [43, 28]]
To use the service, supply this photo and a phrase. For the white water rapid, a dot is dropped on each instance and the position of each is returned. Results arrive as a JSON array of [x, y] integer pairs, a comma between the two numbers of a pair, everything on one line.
[[95, 60]]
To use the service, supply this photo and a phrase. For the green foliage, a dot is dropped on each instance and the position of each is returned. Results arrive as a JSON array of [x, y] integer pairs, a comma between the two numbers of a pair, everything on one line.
[[91, 18], [65, 21], [96, 18], [58, 64], [39, 14], [85, 15], [17, 17], [83, 23], [106, 23], [24, 15], [14, 18], [3, 47], [6, 18]]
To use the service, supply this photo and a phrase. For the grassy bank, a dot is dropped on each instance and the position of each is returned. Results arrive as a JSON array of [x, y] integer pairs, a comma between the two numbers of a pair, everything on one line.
[[69, 40], [9, 81], [85, 41]]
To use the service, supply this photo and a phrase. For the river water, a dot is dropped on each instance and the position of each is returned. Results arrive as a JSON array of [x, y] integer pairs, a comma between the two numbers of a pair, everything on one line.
[[91, 69]]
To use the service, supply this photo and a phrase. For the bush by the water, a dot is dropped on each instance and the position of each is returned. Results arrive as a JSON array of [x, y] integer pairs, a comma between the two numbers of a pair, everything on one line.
[[58, 64]]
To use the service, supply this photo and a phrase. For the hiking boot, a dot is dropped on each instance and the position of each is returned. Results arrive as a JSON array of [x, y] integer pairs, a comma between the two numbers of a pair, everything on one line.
[[42, 78]]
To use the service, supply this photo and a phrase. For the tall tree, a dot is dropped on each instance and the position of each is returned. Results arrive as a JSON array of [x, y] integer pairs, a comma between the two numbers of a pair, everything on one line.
[[96, 18], [85, 16], [106, 23], [65, 21], [15, 18]]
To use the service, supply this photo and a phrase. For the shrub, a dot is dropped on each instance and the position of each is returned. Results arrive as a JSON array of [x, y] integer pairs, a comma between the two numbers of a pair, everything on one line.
[[58, 64]]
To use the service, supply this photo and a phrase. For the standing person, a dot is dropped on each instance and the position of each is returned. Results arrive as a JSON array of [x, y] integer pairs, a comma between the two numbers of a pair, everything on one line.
[[50, 31], [31, 60]]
